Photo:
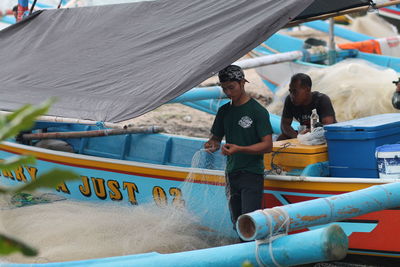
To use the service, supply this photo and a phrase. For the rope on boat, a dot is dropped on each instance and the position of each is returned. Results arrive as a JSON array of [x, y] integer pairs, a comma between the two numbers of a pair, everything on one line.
[[274, 167], [273, 234]]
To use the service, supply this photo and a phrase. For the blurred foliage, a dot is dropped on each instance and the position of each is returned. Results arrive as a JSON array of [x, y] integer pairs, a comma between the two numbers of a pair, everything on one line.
[[247, 264], [10, 245], [10, 125]]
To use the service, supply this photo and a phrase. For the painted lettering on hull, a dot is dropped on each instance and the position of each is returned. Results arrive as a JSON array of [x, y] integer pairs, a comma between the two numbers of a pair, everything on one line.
[[102, 188], [132, 189], [19, 174], [115, 193], [161, 198]]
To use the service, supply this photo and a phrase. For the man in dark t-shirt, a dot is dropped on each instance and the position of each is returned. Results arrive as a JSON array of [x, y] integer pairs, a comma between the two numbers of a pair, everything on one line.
[[248, 134], [299, 105], [396, 95]]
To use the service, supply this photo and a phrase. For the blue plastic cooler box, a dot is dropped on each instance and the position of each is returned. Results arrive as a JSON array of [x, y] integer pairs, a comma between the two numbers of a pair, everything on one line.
[[352, 144]]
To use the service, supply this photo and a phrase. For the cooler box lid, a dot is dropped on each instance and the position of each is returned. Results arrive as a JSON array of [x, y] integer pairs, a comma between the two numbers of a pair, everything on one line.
[[365, 128], [389, 148], [293, 146]]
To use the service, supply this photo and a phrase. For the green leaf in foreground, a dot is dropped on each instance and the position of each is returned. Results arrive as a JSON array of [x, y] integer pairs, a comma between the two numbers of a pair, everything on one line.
[[10, 245], [4, 190], [22, 119], [49, 179], [247, 264], [15, 162]]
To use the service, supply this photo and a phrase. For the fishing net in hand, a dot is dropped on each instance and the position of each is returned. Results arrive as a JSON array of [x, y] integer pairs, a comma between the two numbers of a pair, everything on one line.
[[204, 194]]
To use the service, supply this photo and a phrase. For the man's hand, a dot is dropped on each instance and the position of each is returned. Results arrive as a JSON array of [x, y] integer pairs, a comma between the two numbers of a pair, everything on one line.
[[211, 145], [229, 149]]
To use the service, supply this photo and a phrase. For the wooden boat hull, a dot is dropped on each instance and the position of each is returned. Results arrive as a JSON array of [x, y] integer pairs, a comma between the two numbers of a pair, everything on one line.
[[133, 183]]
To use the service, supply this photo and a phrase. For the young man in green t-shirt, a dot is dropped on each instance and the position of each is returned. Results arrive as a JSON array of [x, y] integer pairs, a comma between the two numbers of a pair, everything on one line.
[[248, 135]]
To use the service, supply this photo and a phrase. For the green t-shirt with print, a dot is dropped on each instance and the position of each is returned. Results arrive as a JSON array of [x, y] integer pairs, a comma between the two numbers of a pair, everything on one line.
[[243, 125]]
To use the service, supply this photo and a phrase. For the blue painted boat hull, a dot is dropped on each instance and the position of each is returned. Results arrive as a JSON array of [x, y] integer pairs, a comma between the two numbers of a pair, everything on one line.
[[139, 169]]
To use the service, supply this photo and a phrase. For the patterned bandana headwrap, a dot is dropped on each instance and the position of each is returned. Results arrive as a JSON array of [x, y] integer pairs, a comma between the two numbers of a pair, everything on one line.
[[231, 73]]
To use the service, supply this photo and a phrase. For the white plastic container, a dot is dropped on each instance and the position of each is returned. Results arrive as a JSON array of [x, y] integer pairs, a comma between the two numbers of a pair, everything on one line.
[[388, 159]]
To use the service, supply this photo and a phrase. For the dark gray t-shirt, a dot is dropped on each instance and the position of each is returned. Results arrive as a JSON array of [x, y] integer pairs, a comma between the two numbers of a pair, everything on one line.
[[302, 114]]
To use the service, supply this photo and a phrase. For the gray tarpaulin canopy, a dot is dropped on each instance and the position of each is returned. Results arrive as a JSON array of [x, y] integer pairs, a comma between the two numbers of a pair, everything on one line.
[[320, 7], [112, 63]]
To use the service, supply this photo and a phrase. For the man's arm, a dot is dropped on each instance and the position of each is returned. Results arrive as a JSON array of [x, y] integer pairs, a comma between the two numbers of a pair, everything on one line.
[[326, 113], [265, 146], [328, 120], [213, 144], [286, 127], [287, 119]]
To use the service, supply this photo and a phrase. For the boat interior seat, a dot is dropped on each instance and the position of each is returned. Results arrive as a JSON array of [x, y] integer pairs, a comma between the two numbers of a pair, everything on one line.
[[153, 148]]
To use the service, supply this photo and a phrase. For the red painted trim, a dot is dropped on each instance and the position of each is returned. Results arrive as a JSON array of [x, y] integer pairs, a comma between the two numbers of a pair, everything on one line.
[[390, 11]]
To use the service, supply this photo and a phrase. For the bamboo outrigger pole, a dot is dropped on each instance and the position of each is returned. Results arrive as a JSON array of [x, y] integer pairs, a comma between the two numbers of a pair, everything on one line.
[[77, 121], [96, 133], [339, 13]]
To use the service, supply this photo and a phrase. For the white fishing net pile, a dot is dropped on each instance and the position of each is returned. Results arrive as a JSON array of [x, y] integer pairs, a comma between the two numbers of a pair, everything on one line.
[[373, 25], [70, 230], [357, 89], [66, 230]]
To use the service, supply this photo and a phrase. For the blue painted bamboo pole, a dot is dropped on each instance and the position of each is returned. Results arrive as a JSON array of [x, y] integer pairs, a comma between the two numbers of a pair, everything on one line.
[[260, 224], [200, 93], [276, 123], [41, 5], [8, 19], [211, 107], [339, 31], [323, 244]]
